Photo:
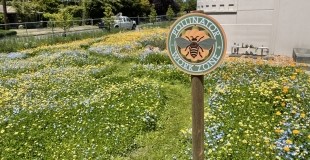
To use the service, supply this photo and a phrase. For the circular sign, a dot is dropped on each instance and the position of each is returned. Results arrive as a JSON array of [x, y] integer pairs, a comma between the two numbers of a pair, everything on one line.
[[196, 43]]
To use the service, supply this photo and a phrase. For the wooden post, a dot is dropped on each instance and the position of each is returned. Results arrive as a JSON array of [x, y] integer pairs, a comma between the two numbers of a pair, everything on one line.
[[198, 116]]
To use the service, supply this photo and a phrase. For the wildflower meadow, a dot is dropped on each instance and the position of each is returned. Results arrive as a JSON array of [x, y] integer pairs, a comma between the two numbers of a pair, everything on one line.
[[118, 96]]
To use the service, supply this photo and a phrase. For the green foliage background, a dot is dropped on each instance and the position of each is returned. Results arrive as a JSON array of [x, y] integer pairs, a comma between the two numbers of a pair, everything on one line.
[[62, 19], [153, 14], [170, 13], [108, 19], [1, 18], [27, 10]]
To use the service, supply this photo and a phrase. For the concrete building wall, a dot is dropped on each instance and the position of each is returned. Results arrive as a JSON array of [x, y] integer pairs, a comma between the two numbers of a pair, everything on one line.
[[255, 17], [292, 26], [280, 25], [255, 5], [217, 5]]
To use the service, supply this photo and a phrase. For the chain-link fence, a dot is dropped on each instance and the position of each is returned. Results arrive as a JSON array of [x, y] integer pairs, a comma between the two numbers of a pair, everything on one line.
[[146, 20], [53, 27], [50, 27]]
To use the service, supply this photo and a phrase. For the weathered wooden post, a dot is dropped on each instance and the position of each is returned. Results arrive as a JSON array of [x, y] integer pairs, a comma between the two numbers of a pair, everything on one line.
[[196, 45], [197, 116]]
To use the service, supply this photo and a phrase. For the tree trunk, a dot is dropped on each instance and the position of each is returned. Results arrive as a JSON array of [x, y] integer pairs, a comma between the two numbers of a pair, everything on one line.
[[5, 15], [84, 11]]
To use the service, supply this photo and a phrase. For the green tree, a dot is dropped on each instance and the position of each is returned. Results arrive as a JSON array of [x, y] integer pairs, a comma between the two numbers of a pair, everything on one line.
[[95, 8], [145, 6], [33, 6], [170, 13], [5, 15], [76, 11], [182, 6], [161, 6], [62, 19], [133, 8], [182, 11], [153, 14], [83, 4], [187, 5], [26, 10], [48, 6], [1, 18], [192, 4], [108, 19]]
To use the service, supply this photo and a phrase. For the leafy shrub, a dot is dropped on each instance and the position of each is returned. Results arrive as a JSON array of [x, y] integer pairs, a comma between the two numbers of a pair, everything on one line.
[[4, 33]]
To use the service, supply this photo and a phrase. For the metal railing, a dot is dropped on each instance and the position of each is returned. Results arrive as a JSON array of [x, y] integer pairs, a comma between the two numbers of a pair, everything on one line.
[[50, 27]]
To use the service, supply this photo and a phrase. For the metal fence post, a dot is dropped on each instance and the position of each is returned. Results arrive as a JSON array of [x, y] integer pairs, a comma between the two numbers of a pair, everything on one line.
[[26, 28], [53, 27]]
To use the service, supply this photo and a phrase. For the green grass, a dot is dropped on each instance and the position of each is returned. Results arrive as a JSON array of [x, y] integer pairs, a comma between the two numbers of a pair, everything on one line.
[[13, 44], [69, 118], [167, 142], [7, 33], [164, 24]]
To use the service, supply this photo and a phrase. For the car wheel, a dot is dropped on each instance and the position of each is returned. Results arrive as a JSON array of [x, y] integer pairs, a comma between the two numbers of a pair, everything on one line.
[[133, 27]]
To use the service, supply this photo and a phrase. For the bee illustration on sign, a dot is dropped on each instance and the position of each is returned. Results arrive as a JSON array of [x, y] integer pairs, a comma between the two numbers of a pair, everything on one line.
[[194, 46]]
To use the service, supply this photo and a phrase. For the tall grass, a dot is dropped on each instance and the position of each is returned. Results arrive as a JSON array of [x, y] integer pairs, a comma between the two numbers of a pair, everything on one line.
[[14, 44]]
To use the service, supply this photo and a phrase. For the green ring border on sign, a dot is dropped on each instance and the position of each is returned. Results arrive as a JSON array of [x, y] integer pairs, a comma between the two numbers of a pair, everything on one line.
[[205, 61]]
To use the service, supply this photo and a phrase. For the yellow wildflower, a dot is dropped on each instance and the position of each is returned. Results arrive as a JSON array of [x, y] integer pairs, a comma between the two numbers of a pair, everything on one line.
[[293, 111], [283, 104], [293, 64], [298, 70], [295, 131], [285, 89], [277, 97], [279, 131], [289, 142], [309, 136], [293, 77], [272, 146], [302, 115], [244, 141], [286, 148], [278, 113]]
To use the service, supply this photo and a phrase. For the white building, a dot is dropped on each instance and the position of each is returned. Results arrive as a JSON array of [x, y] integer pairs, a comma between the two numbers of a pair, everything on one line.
[[280, 25]]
